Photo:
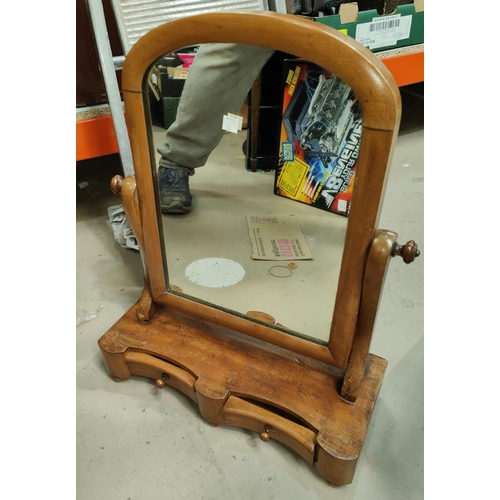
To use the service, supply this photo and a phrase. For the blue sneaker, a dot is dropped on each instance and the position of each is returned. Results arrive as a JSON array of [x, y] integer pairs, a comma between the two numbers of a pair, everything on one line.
[[173, 181]]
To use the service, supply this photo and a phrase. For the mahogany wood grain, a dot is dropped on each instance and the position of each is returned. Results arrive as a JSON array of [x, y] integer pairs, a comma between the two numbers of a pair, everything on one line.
[[127, 189], [238, 380], [376, 270], [369, 187], [249, 326], [262, 316], [149, 366], [147, 307], [270, 425]]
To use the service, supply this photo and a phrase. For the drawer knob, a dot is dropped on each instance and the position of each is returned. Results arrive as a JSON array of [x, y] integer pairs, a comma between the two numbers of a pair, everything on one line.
[[265, 434], [160, 383]]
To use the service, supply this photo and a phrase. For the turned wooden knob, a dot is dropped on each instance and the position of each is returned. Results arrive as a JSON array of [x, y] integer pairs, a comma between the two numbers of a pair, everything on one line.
[[116, 184], [160, 383], [265, 436], [408, 252]]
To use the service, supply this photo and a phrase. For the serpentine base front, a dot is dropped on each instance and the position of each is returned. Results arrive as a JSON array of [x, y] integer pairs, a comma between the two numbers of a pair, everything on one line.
[[237, 380]]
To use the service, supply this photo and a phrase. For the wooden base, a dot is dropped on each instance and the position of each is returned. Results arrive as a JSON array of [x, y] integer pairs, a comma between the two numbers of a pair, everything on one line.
[[241, 381]]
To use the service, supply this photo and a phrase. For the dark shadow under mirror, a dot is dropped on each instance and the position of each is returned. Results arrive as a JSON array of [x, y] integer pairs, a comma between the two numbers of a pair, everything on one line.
[[261, 236]]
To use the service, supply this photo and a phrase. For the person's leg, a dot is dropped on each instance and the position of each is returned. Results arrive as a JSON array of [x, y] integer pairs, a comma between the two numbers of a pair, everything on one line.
[[219, 80]]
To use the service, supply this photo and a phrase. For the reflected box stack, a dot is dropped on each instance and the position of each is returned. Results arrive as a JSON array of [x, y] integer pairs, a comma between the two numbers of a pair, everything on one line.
[[166, 82], [319, 140]]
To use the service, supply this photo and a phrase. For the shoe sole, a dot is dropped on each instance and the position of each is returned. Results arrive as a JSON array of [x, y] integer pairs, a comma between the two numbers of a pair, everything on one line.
[[175, 209]]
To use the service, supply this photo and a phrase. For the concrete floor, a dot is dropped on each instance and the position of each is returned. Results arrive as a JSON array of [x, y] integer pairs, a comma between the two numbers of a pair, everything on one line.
[[136, 441]]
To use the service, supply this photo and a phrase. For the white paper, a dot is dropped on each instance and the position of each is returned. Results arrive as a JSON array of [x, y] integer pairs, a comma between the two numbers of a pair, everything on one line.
[[277, 237], [383, 31], [238, 118], [232, 123]]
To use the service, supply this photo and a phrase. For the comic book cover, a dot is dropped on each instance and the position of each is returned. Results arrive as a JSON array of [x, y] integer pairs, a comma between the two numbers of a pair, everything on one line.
[[319, 140]]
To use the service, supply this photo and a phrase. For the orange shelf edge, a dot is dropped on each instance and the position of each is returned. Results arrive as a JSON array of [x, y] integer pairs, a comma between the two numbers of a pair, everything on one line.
[[406, 69], [96, 136]]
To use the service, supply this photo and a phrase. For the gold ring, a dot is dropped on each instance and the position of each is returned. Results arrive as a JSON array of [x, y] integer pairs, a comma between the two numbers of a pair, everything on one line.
[[277, 275]]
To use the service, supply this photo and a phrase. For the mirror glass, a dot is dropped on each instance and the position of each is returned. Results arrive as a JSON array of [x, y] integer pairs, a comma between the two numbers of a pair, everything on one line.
[[270, 205]]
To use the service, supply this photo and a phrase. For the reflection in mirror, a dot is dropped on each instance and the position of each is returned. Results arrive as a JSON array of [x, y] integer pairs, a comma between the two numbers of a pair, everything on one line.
[[236, 246]]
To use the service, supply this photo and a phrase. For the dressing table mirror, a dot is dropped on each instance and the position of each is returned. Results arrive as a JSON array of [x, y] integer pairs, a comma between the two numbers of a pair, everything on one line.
[[269, 368], [214, 252]]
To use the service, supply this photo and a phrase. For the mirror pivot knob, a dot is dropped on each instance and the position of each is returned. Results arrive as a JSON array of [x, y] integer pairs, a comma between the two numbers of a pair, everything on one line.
[[408, 252], [116, 184]]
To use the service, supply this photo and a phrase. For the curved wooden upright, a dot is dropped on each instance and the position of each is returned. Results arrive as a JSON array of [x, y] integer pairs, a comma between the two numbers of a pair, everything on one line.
[[239, 369]]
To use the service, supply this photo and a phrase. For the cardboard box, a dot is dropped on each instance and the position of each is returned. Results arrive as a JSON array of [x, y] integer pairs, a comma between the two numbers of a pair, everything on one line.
[[166, 84], [319, 139], [400, 28]]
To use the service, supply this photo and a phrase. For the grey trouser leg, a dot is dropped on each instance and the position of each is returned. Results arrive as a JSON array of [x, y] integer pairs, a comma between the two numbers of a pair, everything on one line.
[[219, 80]]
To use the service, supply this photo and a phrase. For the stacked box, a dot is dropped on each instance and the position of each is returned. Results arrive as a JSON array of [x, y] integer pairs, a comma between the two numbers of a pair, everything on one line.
[[319, 140], [401, 28], [166, 81]]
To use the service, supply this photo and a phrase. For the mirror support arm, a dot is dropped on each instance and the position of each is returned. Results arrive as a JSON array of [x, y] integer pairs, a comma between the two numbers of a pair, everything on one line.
[[127, 189], [376, 269], [383, 247]]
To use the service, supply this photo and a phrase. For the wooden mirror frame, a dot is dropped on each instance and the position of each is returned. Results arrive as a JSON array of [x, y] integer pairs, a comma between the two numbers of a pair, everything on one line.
[[380, 102], [316, 399]]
